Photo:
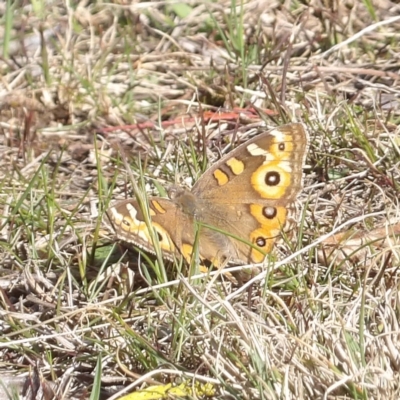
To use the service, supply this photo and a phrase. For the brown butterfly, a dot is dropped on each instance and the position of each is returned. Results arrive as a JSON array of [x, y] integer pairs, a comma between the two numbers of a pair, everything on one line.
[[234, 212]]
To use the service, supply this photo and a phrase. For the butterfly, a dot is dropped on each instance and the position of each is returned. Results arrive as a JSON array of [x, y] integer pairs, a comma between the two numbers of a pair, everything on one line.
[[234, 212]]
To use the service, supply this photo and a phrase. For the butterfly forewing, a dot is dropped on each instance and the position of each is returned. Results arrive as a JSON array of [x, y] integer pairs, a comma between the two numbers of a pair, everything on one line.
[[267, 167]]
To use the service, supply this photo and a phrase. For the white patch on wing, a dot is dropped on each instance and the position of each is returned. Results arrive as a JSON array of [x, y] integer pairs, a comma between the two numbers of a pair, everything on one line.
[[255, 150], [279, 135], [132, 211]]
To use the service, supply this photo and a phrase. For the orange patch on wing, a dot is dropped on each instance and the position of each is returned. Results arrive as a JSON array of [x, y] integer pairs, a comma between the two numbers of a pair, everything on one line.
[[255, 236], [164, 239], [236, 166], [221, 177], [158, 207], [269, 191], [269, 230], [285, 153], [187, 251], [272, 226]]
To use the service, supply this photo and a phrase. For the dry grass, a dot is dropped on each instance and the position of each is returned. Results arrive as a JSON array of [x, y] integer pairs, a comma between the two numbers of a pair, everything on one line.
[[80, 317]]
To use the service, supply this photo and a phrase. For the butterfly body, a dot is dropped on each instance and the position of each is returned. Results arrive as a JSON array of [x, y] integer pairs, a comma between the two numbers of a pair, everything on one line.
[[235, 211]]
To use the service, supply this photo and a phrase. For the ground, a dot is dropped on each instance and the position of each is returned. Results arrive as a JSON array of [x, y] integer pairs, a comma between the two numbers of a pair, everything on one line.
[[99, 100]]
